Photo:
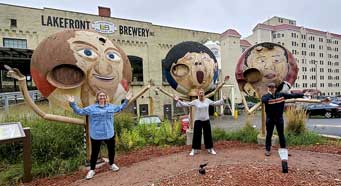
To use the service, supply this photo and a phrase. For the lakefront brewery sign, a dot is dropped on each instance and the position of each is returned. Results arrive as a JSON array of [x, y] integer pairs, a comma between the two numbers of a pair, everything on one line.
[[104, 27], [61, 22]]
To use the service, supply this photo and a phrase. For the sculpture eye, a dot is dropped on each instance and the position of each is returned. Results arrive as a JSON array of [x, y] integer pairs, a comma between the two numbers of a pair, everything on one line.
[[112, 56], [88, 53]]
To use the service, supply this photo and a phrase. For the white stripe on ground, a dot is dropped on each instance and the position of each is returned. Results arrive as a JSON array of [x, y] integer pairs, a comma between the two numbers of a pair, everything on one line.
[[334, 126]]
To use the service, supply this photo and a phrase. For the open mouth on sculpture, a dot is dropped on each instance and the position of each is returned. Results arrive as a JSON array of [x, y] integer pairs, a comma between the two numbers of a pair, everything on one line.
[[200, 76], [104, 78], [270, 76]]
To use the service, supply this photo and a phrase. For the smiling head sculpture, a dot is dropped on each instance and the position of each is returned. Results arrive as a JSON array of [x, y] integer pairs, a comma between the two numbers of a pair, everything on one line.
[[265, 63], [190, 66], [80, 63]]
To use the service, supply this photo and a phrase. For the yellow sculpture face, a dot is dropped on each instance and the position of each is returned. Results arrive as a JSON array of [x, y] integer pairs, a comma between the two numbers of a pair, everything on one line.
[[80, 63], [194, 71], [271, 63], [101, 60]]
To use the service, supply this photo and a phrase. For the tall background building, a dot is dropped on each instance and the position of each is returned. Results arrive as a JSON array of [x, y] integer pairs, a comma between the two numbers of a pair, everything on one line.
[[317, 52]]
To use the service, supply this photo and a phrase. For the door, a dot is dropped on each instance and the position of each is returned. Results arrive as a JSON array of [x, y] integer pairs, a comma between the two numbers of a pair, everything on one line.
[[167, 112], [143, 109]]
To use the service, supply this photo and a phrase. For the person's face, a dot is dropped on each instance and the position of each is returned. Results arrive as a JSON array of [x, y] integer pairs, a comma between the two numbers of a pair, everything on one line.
[[102, 97], [201, 93], [194, 70], [99, 59], [272, 89], [272, 63]]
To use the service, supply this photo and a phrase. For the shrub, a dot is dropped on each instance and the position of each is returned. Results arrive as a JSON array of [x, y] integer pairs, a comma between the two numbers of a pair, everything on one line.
[[124, 121], [57, 148], [305, 138], [296, 118], [247, 134]]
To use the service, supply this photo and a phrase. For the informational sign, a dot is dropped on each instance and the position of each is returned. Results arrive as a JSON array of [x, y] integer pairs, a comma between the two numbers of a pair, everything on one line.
[[103, 27], [11, 131]]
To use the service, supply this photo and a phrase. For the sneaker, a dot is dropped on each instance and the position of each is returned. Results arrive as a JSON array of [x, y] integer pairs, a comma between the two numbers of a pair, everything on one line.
[[192, 152], [90, 174], [267, 153], [114, 167], [211, 151]]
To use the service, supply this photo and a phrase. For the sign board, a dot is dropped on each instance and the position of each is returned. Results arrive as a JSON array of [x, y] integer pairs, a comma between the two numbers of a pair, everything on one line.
[[104, 27], [11, 131]]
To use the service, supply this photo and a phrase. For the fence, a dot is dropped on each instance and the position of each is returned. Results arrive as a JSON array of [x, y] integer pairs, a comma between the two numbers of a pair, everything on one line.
[[9, 98]]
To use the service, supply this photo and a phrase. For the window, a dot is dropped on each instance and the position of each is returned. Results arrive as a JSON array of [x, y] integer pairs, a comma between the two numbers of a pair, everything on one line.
[[321, 69], [320, 39], [320, 47], [14, 43], [13, 23], [321, 84], [321, 54], [321, 77], [137, 68], [304, 45]]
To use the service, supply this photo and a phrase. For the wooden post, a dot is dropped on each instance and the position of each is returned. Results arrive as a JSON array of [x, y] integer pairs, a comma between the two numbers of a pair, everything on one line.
[[27, 156], [263, 120], [87, 139]]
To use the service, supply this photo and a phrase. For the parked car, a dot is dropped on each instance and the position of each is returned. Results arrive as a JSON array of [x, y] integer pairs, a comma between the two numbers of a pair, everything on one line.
[[326, 110], [240, 106], [151, 119]]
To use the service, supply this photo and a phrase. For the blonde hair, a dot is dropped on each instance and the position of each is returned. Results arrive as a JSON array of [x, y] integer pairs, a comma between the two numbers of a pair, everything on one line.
[[99, 92]]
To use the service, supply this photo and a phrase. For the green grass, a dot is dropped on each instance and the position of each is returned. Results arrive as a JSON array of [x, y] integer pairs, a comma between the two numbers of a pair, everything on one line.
[[305, 138]]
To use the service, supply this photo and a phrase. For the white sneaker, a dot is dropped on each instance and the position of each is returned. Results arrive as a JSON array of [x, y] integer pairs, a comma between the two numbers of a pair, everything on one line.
[[192, 152], [211, 151], [90, 174], [114, 167]]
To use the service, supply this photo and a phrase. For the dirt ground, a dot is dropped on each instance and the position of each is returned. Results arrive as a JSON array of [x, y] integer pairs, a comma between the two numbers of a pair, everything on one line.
[[235, 164]]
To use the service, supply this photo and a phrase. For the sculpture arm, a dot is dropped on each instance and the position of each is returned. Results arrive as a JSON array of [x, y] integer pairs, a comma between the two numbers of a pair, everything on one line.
[[15, 73]]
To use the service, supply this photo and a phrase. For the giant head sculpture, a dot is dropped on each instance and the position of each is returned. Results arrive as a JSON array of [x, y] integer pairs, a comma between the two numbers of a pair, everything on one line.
[[190, 66], [264, 63], [80, 63]]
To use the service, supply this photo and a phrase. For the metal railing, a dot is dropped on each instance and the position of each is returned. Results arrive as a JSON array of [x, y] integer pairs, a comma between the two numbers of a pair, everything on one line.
[[10, 98]]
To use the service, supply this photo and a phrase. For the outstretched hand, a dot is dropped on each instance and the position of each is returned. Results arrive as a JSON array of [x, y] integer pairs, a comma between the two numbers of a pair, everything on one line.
[[176, 98], [70, 98]]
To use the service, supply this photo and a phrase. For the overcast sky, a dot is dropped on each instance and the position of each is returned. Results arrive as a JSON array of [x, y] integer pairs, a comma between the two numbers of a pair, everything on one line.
[[208, 15]]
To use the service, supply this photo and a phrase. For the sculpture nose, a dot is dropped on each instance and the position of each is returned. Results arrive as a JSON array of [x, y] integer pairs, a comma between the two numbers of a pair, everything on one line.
[[103, 67]]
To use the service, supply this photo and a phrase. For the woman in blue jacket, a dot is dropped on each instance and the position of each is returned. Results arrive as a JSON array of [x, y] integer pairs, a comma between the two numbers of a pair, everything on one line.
[[101, 117]]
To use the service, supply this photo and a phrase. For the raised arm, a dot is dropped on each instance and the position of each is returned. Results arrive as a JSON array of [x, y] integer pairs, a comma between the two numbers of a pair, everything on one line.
[[290, 96], [180, 103], [218, 102]]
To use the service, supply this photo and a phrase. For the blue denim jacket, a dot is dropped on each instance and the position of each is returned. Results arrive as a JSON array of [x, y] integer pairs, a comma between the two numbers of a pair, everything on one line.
[[101, 118]]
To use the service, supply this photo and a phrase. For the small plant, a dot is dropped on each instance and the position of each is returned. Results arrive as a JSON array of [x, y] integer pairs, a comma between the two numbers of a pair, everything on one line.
[[296, 118]]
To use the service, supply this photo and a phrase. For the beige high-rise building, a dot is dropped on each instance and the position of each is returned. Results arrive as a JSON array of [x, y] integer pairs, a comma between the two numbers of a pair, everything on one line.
[[317, 52], [146, 44]]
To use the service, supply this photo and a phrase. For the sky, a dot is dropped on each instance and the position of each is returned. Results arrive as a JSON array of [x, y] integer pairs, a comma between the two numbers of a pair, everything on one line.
[[208, 15]]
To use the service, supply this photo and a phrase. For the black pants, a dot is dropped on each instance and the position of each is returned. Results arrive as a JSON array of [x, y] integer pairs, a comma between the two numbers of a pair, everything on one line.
[[198, 127], [96, 146], [270, 125]]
